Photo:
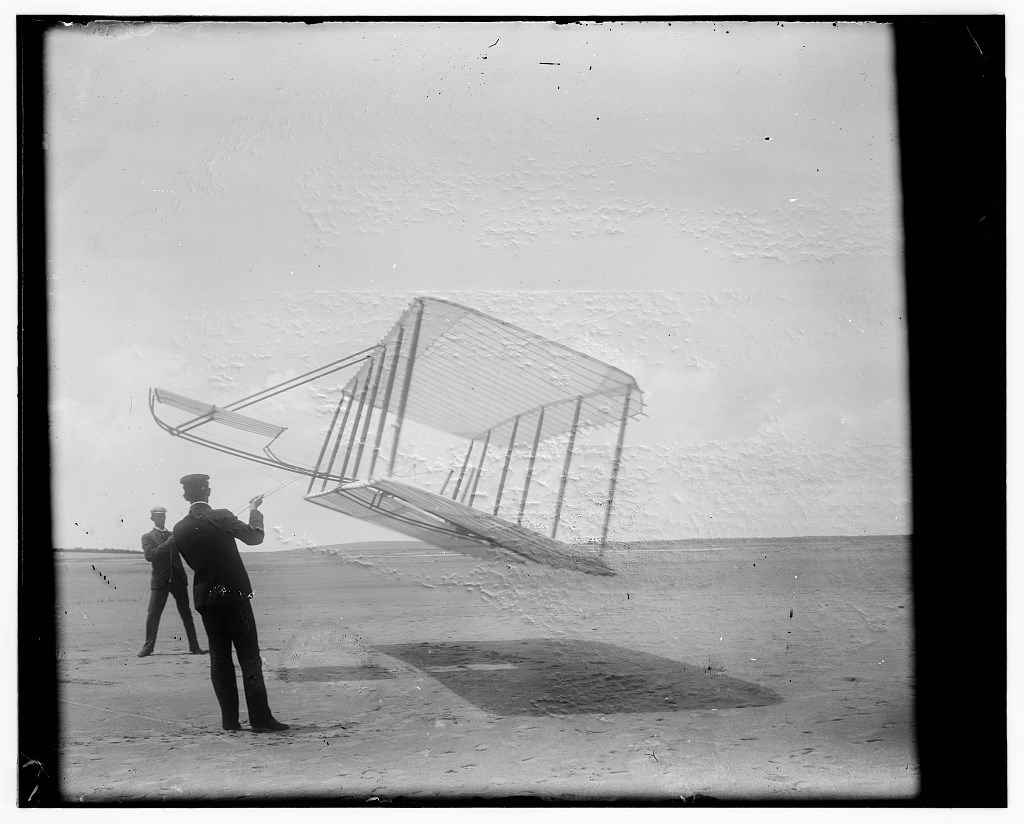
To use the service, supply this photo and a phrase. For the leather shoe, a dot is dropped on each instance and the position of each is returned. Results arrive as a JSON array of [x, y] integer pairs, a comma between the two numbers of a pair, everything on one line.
[[231, 727], [144, 652], [273, 725], [197, 652]]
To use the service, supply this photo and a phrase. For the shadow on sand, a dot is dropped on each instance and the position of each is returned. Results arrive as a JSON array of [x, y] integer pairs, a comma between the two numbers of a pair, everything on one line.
[[368, 672], [568, 677]]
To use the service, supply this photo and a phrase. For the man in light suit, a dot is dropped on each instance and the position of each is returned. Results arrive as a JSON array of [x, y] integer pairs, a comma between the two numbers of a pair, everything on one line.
[[168, 578]]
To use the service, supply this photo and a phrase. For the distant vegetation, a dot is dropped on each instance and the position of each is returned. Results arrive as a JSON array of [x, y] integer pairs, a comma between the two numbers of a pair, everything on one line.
[[107, 551]]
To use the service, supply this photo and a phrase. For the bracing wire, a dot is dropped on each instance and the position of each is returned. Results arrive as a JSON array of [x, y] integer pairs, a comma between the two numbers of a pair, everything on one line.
[[266, 495]]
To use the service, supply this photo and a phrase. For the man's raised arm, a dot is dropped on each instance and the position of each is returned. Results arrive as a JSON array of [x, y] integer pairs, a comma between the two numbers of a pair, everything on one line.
[[251, 533]]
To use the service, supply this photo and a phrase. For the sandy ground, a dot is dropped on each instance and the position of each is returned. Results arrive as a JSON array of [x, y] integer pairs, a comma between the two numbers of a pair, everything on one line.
[[777, 670]]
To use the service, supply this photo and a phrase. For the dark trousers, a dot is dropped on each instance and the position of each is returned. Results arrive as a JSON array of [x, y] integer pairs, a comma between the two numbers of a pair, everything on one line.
[[157, 600], [234, 624]]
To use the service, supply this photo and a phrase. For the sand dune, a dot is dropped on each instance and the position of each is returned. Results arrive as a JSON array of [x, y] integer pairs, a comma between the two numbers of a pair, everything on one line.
[[777, 670]]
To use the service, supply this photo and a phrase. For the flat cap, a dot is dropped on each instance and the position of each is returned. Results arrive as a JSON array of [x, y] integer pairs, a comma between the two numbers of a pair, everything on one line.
[[193, 481], [156, 509]]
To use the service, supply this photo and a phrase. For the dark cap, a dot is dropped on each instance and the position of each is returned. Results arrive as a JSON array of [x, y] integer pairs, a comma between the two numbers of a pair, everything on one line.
[[197, 481]]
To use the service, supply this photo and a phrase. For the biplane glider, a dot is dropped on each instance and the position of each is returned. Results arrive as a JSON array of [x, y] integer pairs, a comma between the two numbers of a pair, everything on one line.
[[493, 390]]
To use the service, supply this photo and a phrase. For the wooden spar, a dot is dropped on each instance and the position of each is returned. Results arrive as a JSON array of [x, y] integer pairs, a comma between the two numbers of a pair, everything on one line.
[[385, 405], [327, 440], [529, 469], [504, 469], [358, 418], [197, 421], [406, 383], [480, 467], [615, 465], [469, 481], [444, 486], [462, 472], [565, 466], [369, 411], [337, 439]]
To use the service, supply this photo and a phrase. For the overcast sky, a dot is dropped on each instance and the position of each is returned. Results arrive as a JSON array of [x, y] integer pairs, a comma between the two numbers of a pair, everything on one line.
[[713, 208]]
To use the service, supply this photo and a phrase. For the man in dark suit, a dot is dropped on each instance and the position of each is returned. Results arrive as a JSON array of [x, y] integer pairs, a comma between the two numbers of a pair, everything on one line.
[[206, 540], [168, 577]]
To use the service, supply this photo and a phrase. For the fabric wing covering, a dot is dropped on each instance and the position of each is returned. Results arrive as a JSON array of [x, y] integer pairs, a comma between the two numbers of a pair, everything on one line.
[[449, 524], [209, 412], [473, 373]]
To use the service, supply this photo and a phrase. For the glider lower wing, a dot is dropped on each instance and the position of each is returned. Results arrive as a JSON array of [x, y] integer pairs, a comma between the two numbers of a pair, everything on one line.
[[447, 523]]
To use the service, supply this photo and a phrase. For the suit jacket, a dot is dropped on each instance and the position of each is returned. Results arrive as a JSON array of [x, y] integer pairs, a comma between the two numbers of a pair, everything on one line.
[[206, 540], [159, 550]]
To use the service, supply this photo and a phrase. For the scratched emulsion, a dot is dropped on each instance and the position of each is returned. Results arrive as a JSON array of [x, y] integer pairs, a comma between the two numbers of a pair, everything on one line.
[[712, 207], [742, 435], [775, 669]]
